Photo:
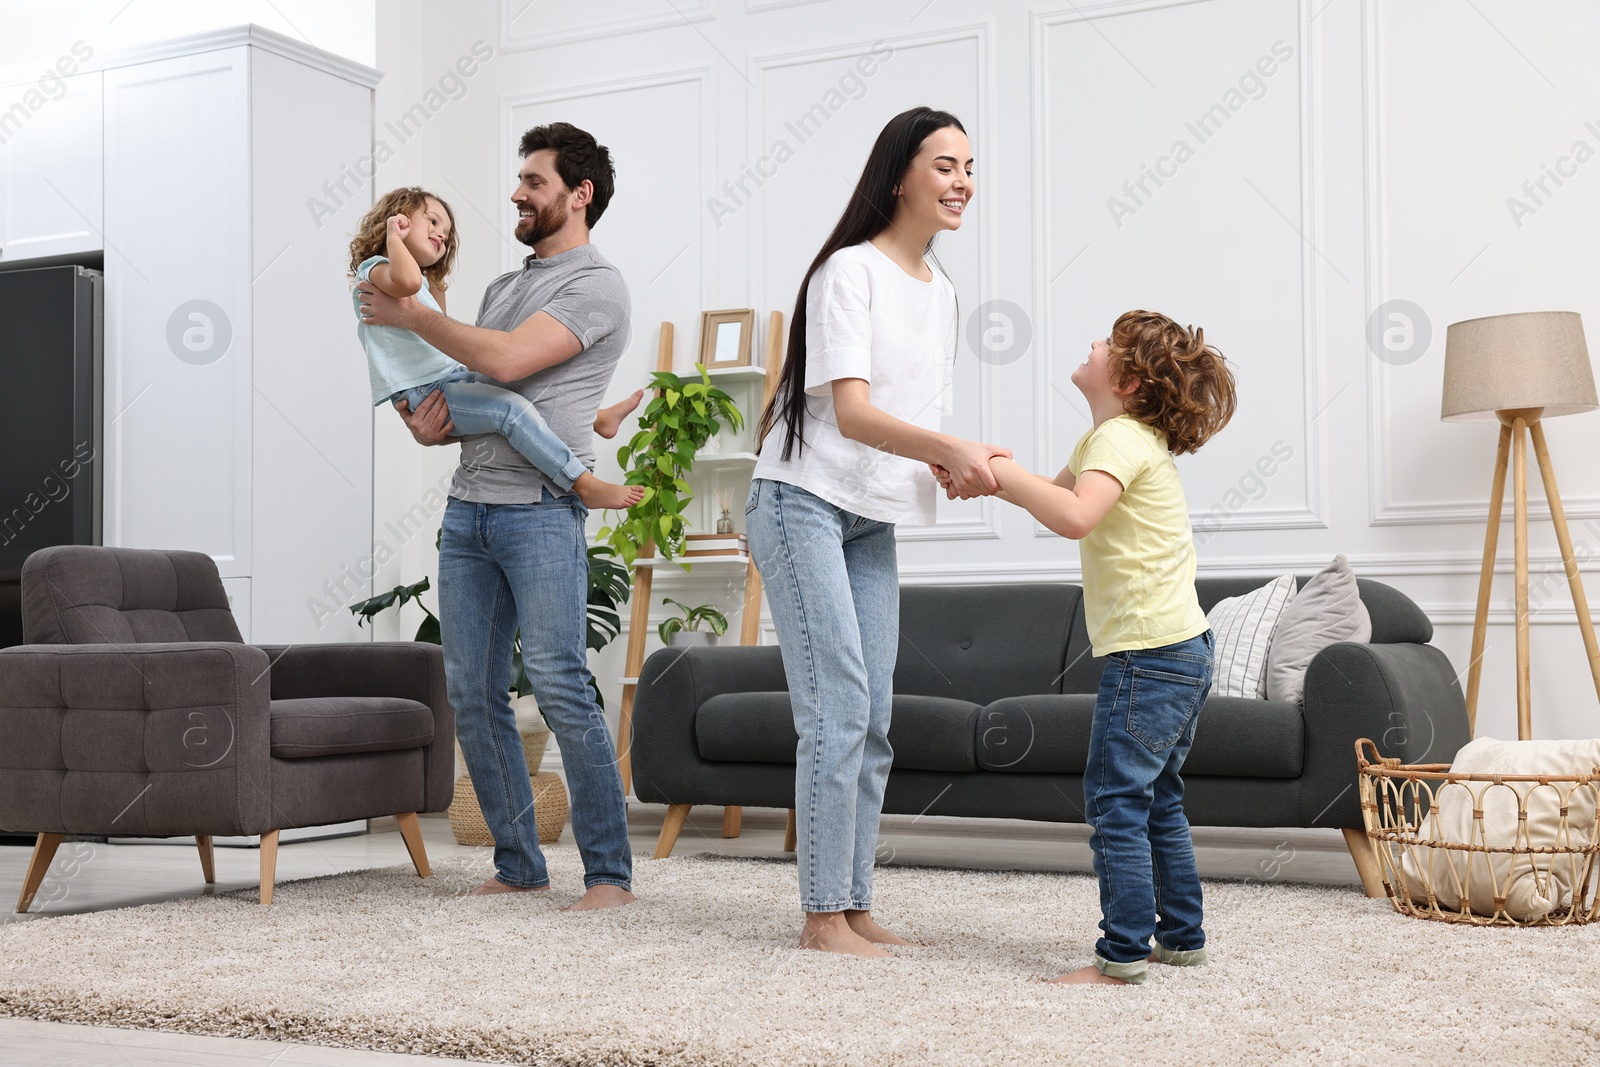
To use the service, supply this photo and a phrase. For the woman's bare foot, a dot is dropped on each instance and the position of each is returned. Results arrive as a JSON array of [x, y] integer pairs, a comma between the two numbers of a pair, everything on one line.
[[495, 886], [609, 421], [600, 495], [863, 923], [1086, 976], [827, 931], [601, 896]]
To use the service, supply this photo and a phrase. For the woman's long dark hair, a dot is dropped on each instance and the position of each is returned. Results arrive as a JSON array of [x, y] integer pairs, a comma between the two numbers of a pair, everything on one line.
[[867, 215]]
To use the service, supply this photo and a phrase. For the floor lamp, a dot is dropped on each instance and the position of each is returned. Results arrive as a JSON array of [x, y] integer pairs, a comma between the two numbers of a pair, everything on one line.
[[1520, 369]]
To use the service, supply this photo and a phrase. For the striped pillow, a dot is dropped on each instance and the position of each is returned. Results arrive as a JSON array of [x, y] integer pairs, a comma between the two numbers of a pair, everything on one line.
[[1242, 627]]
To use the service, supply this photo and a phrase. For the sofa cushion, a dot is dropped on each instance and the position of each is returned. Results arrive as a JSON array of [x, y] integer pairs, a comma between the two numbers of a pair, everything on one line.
[[983, 642], [333, 726], [1326, 611], [926, 733], [1237, 737]]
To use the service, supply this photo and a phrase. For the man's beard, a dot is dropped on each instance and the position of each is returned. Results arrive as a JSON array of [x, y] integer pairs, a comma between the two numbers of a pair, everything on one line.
[[542, 223]]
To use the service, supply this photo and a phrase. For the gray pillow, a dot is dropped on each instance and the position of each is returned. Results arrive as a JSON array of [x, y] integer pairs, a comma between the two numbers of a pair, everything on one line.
[[1327, 611]]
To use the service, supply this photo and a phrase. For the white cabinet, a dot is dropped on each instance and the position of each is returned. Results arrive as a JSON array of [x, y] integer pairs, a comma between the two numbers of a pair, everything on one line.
[[50, 169], [238, 420]]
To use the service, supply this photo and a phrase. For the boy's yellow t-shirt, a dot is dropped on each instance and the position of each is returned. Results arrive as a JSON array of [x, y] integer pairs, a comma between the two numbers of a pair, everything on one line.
[[1138, 563]]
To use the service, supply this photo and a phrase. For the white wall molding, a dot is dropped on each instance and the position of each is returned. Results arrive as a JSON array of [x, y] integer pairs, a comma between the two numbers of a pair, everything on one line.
[[1312, 513], [1385, 509], [512, 39]]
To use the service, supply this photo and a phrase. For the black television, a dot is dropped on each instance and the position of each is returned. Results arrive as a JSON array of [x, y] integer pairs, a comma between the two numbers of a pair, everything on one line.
[[51, 321]]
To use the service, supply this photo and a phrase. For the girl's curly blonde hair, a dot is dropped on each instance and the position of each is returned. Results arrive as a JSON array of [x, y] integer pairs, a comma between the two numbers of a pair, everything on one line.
[[1185, 388], [372, 235]]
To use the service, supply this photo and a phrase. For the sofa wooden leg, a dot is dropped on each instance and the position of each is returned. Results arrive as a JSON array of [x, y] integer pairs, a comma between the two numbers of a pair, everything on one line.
[[1360, 847], [732, 821], [44, 850], [789, 832], [670, 829], [269, 864], [413, 837], [207, 863]]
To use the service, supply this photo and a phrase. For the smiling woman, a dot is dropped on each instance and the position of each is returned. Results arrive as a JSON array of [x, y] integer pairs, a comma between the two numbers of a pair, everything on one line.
[[868, 375]]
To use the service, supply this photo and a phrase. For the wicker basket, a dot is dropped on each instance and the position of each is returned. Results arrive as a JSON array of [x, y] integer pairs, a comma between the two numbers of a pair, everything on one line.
[[1415, 815], [550, 810]]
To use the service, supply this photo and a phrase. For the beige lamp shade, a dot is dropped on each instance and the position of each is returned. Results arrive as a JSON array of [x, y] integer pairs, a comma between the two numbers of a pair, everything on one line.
[[1533, 360]]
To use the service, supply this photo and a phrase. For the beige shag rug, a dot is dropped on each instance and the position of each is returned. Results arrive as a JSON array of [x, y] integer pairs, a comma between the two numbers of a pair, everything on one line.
[[701, 971]]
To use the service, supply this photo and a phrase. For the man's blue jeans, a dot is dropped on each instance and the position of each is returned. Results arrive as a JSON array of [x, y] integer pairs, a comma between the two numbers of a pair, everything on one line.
[[501, 566], [479, 405], [1144, 722], [834, 587]]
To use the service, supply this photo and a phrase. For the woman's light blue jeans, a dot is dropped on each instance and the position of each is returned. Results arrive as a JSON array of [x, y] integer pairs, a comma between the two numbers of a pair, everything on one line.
[[478, 405], [834, 588], [1144, 723], [502, 566]]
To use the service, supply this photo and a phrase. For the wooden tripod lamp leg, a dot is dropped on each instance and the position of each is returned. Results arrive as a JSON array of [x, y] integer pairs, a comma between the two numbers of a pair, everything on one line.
[[1519, 460], [1491, 541], [1569, 559]]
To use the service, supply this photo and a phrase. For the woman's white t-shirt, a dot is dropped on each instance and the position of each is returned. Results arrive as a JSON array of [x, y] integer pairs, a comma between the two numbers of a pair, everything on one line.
[[867, 318]]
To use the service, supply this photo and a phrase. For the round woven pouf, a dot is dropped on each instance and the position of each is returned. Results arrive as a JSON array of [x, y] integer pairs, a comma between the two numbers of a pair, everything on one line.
[[550, 809]]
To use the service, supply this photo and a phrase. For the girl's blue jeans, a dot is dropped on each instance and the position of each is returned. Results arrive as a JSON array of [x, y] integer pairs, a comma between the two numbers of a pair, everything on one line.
[[1144, 723], [478, 405]]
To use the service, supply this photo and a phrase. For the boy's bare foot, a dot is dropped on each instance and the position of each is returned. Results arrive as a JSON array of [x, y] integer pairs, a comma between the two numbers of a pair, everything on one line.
[[863, 923], [827, 931], [494, 886], [609, 421], [600, 495], [1089, 975], [601, 896]]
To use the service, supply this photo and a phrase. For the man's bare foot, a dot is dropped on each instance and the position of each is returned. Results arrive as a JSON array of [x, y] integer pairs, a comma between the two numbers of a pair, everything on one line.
[[494, 886], [863, 923], [609, 421], [600, 495], [1086, 976], [601, 896], [827, 931]]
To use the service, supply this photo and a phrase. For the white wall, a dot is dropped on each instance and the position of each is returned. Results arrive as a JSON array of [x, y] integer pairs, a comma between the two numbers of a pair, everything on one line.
[[1372, 163]]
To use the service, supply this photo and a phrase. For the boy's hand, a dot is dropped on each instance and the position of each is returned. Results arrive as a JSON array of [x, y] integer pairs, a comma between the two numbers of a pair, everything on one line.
[[430, 424], [399, 226]]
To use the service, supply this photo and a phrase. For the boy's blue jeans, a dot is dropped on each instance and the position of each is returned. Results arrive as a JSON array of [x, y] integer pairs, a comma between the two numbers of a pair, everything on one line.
[[834, 587], [478, 405], [502, 566], [1144, 722]]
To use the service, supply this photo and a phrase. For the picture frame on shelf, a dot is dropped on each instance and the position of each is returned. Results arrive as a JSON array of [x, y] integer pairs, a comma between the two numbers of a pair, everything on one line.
[[726, 337]]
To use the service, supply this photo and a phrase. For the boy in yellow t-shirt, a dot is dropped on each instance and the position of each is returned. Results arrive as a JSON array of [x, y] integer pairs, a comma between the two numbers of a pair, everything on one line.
[[1154, 388]]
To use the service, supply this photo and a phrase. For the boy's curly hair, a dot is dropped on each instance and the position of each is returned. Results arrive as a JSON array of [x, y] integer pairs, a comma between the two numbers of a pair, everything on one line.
[[372, 234], [1185, 388]]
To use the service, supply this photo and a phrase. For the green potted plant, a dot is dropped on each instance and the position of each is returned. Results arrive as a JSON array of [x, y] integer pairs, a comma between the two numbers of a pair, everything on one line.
[[684, 629], [676, 424]]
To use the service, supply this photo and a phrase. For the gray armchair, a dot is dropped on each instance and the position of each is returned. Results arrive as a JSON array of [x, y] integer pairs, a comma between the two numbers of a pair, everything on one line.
[[136, 709]]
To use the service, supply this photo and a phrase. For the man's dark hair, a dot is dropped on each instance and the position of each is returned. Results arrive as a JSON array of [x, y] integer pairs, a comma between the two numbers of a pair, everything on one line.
[[578, 156]]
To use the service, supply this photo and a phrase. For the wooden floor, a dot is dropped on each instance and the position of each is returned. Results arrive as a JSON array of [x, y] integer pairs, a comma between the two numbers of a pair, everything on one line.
[[115, 876]]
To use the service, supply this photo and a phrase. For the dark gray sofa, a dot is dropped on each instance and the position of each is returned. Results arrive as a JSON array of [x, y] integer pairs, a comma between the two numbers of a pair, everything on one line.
[[994, 696]]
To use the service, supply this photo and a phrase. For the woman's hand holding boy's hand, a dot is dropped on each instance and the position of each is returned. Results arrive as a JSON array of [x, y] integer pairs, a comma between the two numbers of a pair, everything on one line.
[[965, 471]]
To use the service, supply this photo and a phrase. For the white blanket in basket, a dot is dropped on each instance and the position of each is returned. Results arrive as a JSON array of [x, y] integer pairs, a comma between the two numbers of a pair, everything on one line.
[[1534, 885]]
